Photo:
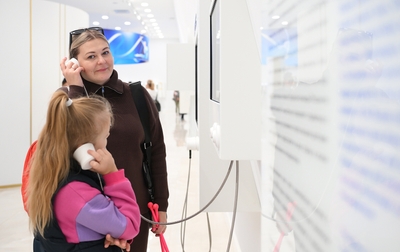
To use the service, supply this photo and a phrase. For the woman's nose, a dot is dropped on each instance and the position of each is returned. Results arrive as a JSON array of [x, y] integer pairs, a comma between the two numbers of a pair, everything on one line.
[[101, 60]]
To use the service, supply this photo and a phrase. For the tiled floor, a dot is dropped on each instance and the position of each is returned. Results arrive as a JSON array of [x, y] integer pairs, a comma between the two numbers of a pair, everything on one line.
[[14, 229]]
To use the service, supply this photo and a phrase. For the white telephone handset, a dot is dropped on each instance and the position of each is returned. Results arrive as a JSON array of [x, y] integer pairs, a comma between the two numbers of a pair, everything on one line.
[[83, 157], [73, 60]]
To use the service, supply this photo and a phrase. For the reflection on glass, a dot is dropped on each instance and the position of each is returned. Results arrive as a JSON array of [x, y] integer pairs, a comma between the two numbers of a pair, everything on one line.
[[331, 125]]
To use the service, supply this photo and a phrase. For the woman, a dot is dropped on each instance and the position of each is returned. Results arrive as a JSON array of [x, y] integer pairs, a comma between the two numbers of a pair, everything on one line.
[[65, 203], [153, 94], [150, 88], [96, 75]]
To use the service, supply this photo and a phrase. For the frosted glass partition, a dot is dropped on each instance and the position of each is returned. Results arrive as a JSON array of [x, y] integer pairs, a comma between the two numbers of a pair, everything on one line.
[[331, 125]]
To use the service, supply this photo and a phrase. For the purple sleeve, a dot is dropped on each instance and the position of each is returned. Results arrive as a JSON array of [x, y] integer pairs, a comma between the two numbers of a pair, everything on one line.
[[84, 214]]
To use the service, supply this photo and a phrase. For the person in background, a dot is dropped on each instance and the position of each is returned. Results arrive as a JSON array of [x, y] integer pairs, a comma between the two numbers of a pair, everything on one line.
[[175, 98], [150, 87], [96, 75], [61, 196]]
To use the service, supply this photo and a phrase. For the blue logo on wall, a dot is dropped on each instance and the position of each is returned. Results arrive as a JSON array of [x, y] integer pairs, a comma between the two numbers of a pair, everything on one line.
[[128, 47]]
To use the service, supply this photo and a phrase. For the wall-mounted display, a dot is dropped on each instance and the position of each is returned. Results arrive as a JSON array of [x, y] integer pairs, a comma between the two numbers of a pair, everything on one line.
[[128, 47]]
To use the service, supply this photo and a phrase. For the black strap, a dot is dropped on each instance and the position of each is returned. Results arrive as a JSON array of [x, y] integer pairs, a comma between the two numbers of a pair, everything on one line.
[[140, 102]]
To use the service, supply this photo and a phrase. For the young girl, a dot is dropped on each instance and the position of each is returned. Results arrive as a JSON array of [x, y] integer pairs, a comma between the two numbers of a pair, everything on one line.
[[71, 209]]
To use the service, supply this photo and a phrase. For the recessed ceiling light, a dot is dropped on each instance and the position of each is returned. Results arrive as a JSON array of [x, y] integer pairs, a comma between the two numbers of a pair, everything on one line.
[[285, 23], [117, 28], [138, 17], [161, 36], [275, 17], [147, 10], [143, 31], [96, 23], [144, 4], [104, 17], [127, 23], [150, 15]]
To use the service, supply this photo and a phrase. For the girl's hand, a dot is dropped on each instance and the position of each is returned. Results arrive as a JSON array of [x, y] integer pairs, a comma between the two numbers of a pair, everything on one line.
[[104, 161], [123, 244]]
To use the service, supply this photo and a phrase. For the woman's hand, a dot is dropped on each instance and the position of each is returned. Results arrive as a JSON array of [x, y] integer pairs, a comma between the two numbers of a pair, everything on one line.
[[123, 244], [161, 228], [71, 72]]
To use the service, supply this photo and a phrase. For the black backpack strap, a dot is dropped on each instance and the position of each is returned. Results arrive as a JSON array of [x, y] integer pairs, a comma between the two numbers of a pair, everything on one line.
[[140, 102]]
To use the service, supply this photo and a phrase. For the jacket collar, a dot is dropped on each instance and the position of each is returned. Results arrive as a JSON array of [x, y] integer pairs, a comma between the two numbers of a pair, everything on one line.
[[113, 83]]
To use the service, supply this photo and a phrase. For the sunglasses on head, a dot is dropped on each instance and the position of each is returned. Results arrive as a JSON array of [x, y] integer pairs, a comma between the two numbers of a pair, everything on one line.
[[80, 31]]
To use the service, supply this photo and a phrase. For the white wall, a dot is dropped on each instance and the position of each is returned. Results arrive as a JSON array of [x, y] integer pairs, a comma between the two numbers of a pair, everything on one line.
[[15, 83], [155, 68], [51, 23], [35, 74], [33, 48]]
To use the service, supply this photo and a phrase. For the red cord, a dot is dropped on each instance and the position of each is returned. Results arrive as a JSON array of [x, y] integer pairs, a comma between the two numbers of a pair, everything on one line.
[[289, 213], [154, 212]]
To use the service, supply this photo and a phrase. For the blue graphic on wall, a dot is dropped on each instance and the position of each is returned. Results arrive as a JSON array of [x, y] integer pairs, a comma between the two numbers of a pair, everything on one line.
[[128, 47], [279, 43]]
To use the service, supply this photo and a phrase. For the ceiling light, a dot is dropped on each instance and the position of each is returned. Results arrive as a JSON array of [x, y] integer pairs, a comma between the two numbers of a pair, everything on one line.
[[138, 17], [161, 36], [150, 15], [143, 31], [154, 24], [285, 23], [117, 28], [275, 17], [147, 10], [104, 17], [127, 23], [144, 4], [96, 23]]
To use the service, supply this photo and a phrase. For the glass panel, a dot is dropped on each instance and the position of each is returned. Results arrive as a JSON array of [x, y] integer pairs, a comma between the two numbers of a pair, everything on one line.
[[331, 125]]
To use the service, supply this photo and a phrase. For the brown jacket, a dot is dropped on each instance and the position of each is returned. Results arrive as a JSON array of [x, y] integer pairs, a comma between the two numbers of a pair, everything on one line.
[[127, 135]]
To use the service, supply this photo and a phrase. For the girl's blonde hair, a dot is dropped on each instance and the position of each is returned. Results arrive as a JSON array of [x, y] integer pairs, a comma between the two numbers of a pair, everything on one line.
[[66, 128]]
